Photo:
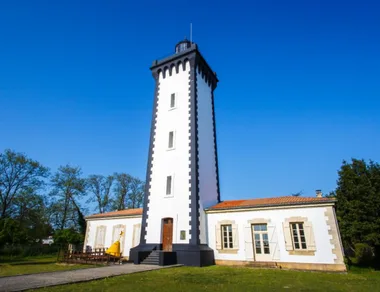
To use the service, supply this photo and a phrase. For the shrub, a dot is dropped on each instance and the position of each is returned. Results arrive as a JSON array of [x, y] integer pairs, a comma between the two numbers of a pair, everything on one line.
[[66, 236], [364, 254]]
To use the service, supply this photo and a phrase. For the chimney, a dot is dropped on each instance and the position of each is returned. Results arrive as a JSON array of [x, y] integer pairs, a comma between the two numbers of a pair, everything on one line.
[[318, 193]]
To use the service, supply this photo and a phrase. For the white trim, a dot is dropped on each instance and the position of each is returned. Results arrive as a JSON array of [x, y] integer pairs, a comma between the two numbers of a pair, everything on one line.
[[113, 217], [267, 208]]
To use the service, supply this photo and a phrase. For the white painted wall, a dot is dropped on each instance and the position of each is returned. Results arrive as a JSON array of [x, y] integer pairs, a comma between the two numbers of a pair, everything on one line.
[[129, 223], [171, 162], [315, 215], [206, 153]]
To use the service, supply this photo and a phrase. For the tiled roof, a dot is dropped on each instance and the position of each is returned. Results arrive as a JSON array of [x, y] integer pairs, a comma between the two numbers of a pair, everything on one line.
[[270, 202], [126, 212]]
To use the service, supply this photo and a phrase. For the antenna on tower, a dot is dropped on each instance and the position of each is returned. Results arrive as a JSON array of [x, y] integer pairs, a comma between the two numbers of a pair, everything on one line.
[[191, 33]]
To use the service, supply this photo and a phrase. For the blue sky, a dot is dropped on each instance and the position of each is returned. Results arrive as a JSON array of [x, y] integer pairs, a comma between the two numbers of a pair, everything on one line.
[[299, 85]]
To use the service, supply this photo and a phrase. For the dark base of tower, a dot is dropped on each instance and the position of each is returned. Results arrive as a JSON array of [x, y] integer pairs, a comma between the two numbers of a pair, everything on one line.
[[184, 254]]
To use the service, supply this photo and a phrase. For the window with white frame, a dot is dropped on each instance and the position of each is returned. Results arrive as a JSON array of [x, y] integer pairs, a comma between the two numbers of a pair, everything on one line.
[[171, 140], [298, 236], [173, 101], [227, 238], [169, 185]]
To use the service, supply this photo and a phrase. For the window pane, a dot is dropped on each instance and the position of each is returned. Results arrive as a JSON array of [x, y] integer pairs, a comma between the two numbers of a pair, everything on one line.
[[168, 185], [257, 236], [265, 236], [171, 139], [258, 245], [296, 245], [264, 227], [227, 236], [258, 250], [256, 227], [294, 226], [266, 250], [172, 100], [303, 245]]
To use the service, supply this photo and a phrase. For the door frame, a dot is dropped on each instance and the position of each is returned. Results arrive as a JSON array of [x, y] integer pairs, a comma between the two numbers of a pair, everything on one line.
[[163, 233], [260, 257]]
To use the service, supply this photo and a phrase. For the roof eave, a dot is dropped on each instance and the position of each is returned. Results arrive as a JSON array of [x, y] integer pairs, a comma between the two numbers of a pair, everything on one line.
[[274, 206], [91, 217]]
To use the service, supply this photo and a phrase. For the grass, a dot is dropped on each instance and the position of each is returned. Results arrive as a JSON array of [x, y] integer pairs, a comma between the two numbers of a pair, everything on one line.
[[219, 278], [34, 265]]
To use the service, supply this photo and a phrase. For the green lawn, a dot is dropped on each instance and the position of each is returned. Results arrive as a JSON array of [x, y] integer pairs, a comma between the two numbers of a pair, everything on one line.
[[34, 265], [218, 278]]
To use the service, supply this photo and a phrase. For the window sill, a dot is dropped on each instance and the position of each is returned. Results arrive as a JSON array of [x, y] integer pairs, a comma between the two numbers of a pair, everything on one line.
[[172, 108], [169, 196], [302, 252], [229, 251], [170, 149]]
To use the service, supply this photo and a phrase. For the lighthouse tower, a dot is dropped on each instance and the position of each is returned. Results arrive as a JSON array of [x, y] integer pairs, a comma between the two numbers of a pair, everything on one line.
[[182, 172]]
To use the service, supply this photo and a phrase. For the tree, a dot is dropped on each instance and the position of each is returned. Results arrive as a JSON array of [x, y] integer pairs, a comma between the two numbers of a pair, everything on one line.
[[100, 188], [129, 192], [358, 204], [18, 173], [136, 196], [68, 188], [122, 188], [30, 211], [11, 232], [66, 236]]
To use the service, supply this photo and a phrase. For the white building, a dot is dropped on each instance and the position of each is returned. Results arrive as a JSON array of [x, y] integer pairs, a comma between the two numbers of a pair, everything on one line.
[[183, 220]]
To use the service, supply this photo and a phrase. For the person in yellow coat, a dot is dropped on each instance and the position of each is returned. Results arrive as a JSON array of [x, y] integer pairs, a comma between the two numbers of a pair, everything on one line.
[[114, 249]]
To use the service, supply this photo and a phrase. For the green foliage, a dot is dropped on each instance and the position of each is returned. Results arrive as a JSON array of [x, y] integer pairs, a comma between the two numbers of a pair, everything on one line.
[[66, 236], [11, 232], [18, 174], [358, 204], [364, 255], [14, 252], [27, 214], [68, 187]]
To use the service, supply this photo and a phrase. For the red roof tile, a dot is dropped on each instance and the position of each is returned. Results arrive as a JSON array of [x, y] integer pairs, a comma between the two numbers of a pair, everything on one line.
[[270, 202], [126, 212]]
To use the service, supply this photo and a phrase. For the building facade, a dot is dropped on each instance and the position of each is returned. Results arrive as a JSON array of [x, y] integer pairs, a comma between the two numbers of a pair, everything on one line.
[[183, 219]]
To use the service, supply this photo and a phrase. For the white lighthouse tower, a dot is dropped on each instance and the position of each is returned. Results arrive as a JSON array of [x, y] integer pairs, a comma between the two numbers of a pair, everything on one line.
[[182, 172]]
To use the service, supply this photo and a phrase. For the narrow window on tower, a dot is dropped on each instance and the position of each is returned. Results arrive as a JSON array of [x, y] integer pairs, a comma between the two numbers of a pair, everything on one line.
[[169, 182], [172, 100], [171, 140]]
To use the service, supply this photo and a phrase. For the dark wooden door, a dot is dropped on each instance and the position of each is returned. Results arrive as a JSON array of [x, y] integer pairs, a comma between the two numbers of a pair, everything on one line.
[[167, 234]]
